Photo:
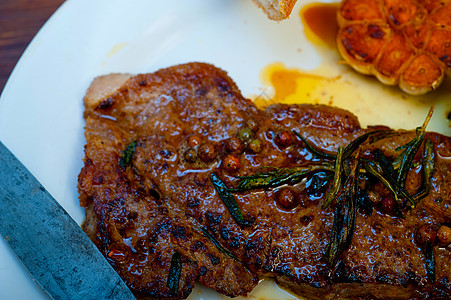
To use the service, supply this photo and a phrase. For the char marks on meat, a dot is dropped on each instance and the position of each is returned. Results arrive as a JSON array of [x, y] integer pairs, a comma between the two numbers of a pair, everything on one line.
[[154, 143]]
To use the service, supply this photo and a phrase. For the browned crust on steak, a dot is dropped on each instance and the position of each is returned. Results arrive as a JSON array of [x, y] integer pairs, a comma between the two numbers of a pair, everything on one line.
[[140, 215]]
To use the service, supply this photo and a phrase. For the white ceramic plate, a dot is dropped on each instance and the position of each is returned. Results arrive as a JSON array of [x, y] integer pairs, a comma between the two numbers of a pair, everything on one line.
[[41, 105]]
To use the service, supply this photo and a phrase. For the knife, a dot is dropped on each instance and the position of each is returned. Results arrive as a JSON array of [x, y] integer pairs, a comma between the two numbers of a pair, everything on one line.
[[50, 244]]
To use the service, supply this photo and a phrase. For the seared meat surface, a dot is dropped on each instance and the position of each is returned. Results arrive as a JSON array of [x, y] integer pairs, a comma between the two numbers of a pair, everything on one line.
[[159, 147]]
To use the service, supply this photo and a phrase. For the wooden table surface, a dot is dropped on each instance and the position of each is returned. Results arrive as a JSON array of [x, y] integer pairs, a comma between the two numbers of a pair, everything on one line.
[[20, 20]]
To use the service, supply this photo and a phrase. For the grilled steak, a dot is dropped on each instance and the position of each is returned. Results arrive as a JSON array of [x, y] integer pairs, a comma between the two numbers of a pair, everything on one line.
[[167, 159]]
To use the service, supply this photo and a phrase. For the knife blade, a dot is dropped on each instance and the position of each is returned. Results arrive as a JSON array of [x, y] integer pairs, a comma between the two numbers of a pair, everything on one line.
[[50, 244]]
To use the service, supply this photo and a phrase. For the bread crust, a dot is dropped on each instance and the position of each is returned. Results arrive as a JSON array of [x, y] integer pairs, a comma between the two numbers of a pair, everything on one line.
[[276, 10]]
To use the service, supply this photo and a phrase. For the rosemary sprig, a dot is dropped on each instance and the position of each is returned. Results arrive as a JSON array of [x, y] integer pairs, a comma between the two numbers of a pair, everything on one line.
[[127, 155], [333, 191], [174, 273], [217, 244], [404, 160], [407, 158], [348, 196], [355, 144], [428, 170], [344, 218], [385, 163], [345, 194], [278, 176], [228, 199], [333, 247], [430, 262], [312, 149]]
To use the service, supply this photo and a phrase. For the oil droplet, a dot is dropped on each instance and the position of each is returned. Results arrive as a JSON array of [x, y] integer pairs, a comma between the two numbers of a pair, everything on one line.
[[320, 23]]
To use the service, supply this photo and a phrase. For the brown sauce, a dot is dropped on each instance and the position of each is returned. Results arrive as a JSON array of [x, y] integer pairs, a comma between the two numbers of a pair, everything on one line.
[[333, 84], [320, 23]]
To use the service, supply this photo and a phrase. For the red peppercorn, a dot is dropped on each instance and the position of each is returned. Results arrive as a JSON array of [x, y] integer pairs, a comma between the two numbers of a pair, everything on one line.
[[235, 145], [287, 198], [193, 141], [231, 163], [207, 152], [444, 235], [387, 204], [283, 139], [426, 234]]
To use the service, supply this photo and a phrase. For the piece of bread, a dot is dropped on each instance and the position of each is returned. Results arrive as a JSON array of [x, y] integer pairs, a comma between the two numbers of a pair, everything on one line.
[[276, 9]]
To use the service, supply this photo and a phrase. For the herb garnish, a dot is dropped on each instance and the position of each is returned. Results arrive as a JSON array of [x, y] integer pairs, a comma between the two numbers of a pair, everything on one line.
[[344, 216], [127, 155], [430, 262], [352, 168], [336, 182], [278, 176], [228, 199], [428, 169], [312, 149], [217, 244], [174, 272], [391, 174]]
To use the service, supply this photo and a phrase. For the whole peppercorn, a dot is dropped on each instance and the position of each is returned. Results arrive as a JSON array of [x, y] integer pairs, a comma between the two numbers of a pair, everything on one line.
[[207, 152], [231, 163], [387, 204], [252, 124], [235, 145], [190, 155], [193, 141], [426, 234], [444, 235], [283, 139], [246, 135], [287, 198], [255, 146]]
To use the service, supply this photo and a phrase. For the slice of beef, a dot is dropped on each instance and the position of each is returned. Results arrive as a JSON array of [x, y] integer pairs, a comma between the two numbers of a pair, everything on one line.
[[183, 122]]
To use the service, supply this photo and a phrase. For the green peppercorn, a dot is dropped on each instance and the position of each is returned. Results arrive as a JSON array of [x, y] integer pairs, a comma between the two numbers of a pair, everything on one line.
[[246, 135], [255, 146]]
